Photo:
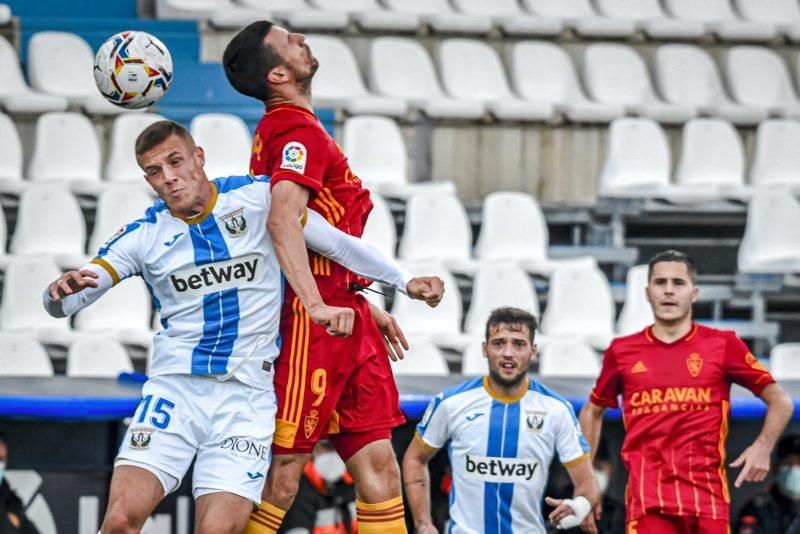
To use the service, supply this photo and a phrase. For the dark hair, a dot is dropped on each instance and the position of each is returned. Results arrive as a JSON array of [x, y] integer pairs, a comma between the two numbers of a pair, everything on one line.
[[158, 132], [248, 60], [514, 318], [676, 256]]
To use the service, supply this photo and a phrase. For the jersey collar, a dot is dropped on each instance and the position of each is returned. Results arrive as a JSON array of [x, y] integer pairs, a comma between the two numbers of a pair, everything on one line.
[[209, 208], [648, 332], [290, 107], [502, 398]]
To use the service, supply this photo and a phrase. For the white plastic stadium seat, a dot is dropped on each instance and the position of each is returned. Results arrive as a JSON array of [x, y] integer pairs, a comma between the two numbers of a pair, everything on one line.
[[568, 358], [770, 243], [543, 72], [460, 59], [650, 18], [121, 165], [5, 14], [473, 361], [440, 17], [97, 357], [776, 160], [67, 150], [380, 230], [422, 359], [402, 68], [22, 355], [617, 74], [784, 361], [718, 17], [50, 222], [636, 312], [62, 64], [758, 77], [338, 81], [567, 314], [119, 204], [123, 313], [637, 160], [508, 15], [497, 285], [21, 308], [580, 16], [299, 14], [221, 13], [226, 141], [687, 74], [370, 15], [10, 157], [783, 14], [15, 95]]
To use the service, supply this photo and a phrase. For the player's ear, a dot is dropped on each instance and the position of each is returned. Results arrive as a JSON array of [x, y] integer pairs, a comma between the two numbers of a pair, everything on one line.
[[695, 293], [200, 154], [279, 74], [483, 348]]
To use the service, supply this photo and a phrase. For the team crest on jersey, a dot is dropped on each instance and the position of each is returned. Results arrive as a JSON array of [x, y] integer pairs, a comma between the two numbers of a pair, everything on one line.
[[294, 156], [694, 363], [310, 423], [235, 223], [534, 421], [140, 438]]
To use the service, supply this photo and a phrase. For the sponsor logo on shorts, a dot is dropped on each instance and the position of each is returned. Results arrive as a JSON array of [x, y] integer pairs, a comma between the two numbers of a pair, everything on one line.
[[294, 156], [501, 470], [140, 438], [310, 423], [245, 448], [217, 276], [534, 421]]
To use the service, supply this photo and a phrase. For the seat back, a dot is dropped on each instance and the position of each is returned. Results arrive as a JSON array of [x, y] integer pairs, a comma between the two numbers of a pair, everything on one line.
[[118, 205], [419, 319], [348, 6], [496, 8], [617, 74], [338, 75], [121, 165], [473, 361], [62, 64], [21, 307], [636, 311], [568, 312], [705, 11], [422, 359], [687, 74], [784, 361], [711, 153], [758, 77], [770, 241], [49, 221], [125, 306], [630, 9], [402, 68], [97, 357], [436, 228], [499, 285], [504, 214], [771, 11], [22, 355], [420, 7], [66, 148], [380, 230], [560, 9], [10, 149], [12, 80], [543, 72], [568, 358], [776, 159], [226, 141], [376, 151], [637, 156], [459, 61]]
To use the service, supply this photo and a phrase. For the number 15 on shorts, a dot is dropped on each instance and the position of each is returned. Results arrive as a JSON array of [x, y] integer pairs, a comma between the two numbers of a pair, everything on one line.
[[158, 408]]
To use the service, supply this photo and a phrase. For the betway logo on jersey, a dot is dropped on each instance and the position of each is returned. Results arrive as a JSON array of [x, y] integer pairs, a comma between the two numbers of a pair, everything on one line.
[[217, 276], [500, 469]]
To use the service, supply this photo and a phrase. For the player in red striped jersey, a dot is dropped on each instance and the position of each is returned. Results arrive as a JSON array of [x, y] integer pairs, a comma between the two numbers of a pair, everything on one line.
[[675, 378]]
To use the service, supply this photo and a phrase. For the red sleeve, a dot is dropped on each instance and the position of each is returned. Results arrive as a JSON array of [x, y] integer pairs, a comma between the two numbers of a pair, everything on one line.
[[743, 368], [609, 383], [301, 155]]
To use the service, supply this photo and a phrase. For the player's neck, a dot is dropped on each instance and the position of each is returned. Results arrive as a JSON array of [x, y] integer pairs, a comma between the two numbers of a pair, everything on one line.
[[200, 205], [508, 392], [301, 101], [672, 331]]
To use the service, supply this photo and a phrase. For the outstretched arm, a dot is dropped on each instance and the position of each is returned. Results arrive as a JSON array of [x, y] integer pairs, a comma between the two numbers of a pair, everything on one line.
[[74, 290]]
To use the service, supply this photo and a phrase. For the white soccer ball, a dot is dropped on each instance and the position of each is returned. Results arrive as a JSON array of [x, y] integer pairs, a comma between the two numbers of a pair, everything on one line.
[[133, 69]]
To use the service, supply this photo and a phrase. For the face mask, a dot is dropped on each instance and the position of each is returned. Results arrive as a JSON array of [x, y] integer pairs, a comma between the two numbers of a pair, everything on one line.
[[329, 466], [789, 480], [2, 471], [602, 480]]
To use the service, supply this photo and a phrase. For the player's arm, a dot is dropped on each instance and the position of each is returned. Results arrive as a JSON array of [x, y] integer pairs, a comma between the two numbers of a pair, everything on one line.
[[591, 421], [417, 483], [395, 339], [74, 290], [569, 513]]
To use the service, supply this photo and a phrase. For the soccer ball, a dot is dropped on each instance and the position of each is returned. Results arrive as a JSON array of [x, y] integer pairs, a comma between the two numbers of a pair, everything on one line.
[[133, 69]]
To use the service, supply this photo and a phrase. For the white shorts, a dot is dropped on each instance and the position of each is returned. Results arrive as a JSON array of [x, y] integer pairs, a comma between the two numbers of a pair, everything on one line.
[[227, 425]]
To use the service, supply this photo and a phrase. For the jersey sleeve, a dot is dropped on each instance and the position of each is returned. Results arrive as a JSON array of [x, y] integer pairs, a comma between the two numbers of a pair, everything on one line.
[[120, 257], [434, 429], [609, 383], [743, 368], [571, 446], [300, 155]]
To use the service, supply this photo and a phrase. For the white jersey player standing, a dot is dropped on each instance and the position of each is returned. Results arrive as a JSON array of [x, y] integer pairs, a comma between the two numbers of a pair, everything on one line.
[[205, 254], [502, 431]]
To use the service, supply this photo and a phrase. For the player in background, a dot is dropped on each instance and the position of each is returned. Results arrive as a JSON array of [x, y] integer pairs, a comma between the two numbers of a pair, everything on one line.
[[503, 430], [344, 386], [206, 256], [675, 379]]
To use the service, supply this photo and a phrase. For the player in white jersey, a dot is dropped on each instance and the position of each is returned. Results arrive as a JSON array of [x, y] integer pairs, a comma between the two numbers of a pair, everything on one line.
[[502, 431], [207, 259]]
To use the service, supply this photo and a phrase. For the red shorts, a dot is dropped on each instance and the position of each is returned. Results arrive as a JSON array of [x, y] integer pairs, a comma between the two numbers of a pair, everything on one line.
[[677, 524], [332, 385]]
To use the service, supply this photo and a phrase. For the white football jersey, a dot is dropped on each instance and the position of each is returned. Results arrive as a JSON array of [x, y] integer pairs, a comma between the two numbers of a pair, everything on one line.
[[500, 451]]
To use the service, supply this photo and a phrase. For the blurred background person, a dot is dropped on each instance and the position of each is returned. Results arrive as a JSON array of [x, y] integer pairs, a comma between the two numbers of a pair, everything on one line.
[[12, 511]]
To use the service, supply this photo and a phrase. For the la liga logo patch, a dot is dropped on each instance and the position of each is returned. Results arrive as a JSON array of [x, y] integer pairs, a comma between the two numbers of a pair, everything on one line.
[[294, 157]]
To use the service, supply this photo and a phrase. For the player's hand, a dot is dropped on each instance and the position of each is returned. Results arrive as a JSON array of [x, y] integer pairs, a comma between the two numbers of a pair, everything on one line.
[[338, 321], [427, 288], [561, 511], [589, 524], [755, 460], [425, 528], [395, 339], [72, 282]]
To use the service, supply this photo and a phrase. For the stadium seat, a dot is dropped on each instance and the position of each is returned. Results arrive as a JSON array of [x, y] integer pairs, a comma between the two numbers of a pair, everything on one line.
[[67, 150], [650, 18], [473, 361], [226, 141], [784, 361], [460, 59], [783, 14], [422, 359], [62, 64], [776, 160], [371, 16], [221, 13], [123, 314], [50, 222], [15, 95], [509, 17], [617, 74], [758, 78], [770, 243], [299, 14], [581, 17], [568, 358], [338, 81], [10, 157], [380, 230], [543, 72], [567, 314], [497, 285], [401, 68], [687, 74], [437, 228], [720, 19], [636, 312], [22, 355], [97, 357], [21, 308], [5, 14], [638, 160], [438, 15], [121, 165], [118, 205]]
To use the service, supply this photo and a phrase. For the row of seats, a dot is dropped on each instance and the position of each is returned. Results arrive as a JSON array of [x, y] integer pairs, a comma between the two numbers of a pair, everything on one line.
[[90, 356], [754, 20]]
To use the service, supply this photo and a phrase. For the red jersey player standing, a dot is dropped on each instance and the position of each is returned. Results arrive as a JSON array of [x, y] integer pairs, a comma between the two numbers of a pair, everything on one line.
[[675, 378], [338, 385]]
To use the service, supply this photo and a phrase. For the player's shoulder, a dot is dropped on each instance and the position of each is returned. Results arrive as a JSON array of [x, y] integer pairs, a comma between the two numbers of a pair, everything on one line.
[[286, 118], [620, 343], [132, 232], [229, 184], [459, 391], [708, 332], [549, 397]]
